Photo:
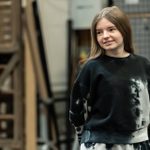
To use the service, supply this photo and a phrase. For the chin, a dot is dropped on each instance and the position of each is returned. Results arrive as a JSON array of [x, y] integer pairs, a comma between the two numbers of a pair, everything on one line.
[[109, 49]]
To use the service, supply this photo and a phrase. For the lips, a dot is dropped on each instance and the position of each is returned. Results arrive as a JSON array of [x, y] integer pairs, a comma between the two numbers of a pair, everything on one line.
[[107, 43]]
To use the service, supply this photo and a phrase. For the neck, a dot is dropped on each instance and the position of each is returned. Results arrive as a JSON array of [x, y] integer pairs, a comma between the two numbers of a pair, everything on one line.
[[120, 54]]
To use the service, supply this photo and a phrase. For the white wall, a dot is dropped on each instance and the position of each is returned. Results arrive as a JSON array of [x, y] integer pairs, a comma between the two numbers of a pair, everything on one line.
[[54, 15]]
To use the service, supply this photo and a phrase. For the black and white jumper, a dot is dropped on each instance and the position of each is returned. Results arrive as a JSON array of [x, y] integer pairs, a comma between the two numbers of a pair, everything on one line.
[[110, 100]]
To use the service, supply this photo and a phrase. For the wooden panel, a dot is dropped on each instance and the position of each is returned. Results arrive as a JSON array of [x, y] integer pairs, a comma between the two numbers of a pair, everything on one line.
[[9, 25], [11, 77], [30, 99]]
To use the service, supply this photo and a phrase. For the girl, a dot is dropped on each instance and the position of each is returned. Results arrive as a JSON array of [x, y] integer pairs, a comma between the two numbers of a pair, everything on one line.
[[110, 104]]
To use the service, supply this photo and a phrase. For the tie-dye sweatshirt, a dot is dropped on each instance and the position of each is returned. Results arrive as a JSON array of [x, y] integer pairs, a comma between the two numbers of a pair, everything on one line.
[[110, 100]]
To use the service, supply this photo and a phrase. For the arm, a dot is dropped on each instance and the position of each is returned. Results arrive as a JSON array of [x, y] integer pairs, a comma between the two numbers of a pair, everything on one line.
[[148, 77], [78, 101]]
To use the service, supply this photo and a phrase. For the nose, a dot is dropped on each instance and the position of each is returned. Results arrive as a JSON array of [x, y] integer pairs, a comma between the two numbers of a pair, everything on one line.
[[105, 34]]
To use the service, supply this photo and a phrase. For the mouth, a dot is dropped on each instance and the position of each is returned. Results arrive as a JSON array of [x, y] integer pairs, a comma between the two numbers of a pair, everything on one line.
[[107, 43]]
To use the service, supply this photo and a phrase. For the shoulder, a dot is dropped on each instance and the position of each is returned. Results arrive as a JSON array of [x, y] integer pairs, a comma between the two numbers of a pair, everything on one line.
[[86, 70], [140, 58], [92, 63]]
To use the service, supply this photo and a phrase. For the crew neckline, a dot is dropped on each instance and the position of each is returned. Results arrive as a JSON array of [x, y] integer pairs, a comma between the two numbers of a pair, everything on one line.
[[117, 58]]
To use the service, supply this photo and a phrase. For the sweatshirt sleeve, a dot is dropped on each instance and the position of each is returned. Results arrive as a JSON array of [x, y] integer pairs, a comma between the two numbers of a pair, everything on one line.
[[148, 78], [78, 100], [148, 74]]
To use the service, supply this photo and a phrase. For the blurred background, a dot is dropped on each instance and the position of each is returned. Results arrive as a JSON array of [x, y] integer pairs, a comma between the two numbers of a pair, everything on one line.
[[42, 45]]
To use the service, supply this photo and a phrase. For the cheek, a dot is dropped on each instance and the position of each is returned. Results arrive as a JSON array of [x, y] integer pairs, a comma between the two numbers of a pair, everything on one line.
[[121, 39], [99, 40]]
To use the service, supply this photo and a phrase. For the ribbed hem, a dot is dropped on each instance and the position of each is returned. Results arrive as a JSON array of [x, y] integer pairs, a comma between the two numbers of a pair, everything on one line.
[[114, 138]]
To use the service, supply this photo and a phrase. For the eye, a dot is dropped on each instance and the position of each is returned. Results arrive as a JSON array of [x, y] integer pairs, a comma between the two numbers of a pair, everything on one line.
[[98, 32], [112, 29]]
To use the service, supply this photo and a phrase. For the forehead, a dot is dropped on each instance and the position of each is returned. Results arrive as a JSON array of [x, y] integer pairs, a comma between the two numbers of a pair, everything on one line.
[[104, 23]]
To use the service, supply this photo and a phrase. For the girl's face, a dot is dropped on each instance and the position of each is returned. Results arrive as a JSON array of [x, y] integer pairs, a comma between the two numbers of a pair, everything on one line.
[[109, 37]]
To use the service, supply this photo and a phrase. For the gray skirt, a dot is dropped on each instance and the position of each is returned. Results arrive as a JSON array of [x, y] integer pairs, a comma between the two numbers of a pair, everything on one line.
[[100, 146]]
